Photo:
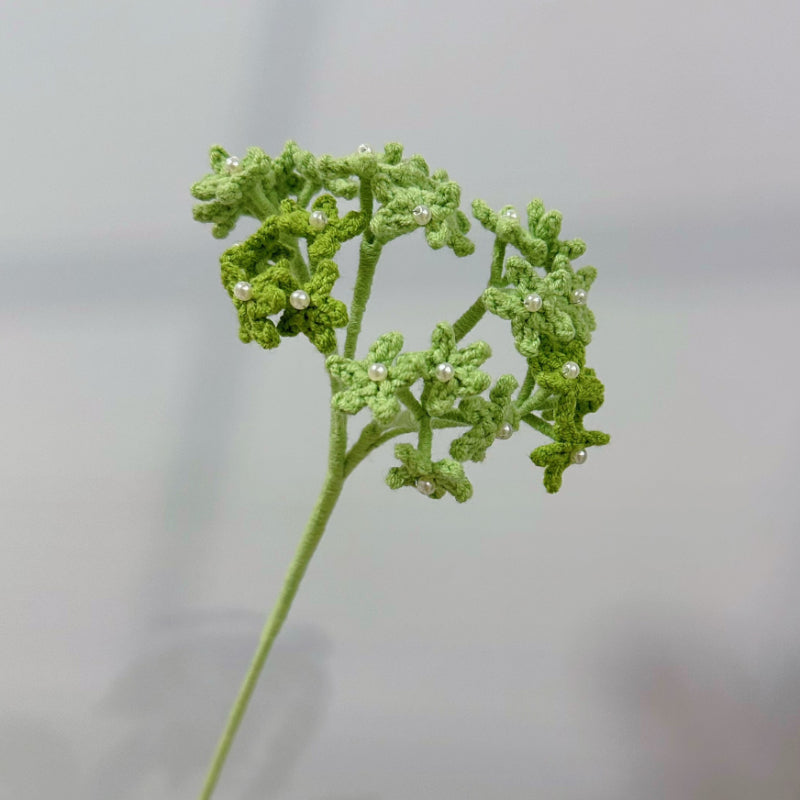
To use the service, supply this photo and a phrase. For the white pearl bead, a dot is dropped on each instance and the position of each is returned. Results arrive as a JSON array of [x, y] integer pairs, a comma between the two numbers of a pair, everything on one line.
[[511, 213], [299, 299], [317, 220], [579, 297], [505, 431], [426, 487], [570, 370], [243, 291], [364, 149], [445, 372], [422, 215], [579, 457], [532, 302], [232, 164], [377, 372]]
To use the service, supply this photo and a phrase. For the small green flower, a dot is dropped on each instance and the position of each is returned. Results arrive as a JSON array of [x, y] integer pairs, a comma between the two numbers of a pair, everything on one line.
[[449, 372], [325, 242], [312, 311], [487, 418], [434, 479], [573, 399], [256, 299], [236, 187], [582, 316], [375, 380], [537, 306], [539, 242], [434, 208]]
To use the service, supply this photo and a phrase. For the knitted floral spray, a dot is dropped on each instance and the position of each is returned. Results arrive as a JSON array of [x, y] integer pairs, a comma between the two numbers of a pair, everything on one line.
[[282, 281]]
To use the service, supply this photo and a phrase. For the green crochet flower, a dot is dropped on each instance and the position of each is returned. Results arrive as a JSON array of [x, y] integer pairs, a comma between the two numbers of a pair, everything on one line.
[[435, 207], [449, 372], [539, 242], [582, 317], [325, 242], [375, 380], [252, 186], [318, 313], [572, 399], [434, 479], [257, 298], [488, 418], [537, 306]]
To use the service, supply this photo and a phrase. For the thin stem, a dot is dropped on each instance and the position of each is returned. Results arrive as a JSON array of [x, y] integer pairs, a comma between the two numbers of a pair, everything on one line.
[[474, 314], [527, 386], [410, 402], [540, 425], [331, 489], [498, 257], [368, 256], [469, 319], [425, 431]]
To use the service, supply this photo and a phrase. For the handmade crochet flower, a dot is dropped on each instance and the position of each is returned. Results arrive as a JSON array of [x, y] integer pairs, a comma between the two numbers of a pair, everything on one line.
[[574, 397], [449, 372], [312, 311], [539, 241], [537, 306], [495, 418], [582, 317], [375, 380], [256, 299], [433, 479], [237, 187], [434, 208], [326, 231]]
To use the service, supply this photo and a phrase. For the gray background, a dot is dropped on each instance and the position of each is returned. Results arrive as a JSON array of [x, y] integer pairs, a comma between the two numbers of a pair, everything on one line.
[[634, 636]]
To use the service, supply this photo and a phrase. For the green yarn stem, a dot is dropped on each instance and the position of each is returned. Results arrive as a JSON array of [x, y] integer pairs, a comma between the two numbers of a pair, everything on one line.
[[368, 256], [405, 396], [331, 489], [498, 257], [425, 442], [469, 319], [527, 387], [540, 425]]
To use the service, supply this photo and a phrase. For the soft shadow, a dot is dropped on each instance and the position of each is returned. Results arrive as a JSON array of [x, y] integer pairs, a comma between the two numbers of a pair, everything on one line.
[[701, 723], [175, 701]]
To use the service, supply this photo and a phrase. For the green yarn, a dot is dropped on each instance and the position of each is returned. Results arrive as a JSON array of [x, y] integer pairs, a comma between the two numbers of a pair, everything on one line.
[[379, 395], [487, 418], [282, 282], [447, 475]]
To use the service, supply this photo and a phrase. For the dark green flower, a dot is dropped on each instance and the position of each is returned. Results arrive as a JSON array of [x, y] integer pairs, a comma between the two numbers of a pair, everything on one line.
[[488, 418], [537, 306], [325, 241], [257, 298], [449, 372], [572, 399], [434, 479], [312, 311], [375, 380]]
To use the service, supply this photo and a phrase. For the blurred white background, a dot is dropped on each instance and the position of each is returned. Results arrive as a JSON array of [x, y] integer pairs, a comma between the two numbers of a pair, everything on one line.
[[634, 636]]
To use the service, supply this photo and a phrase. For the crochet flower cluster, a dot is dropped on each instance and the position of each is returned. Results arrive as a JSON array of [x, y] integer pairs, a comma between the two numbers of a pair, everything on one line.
[[281, 278]]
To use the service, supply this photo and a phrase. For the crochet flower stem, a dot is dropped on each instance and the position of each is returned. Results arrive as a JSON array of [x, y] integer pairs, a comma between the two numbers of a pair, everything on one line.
[[368, 255], [328, 496], [474, 314], [277, 294]]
